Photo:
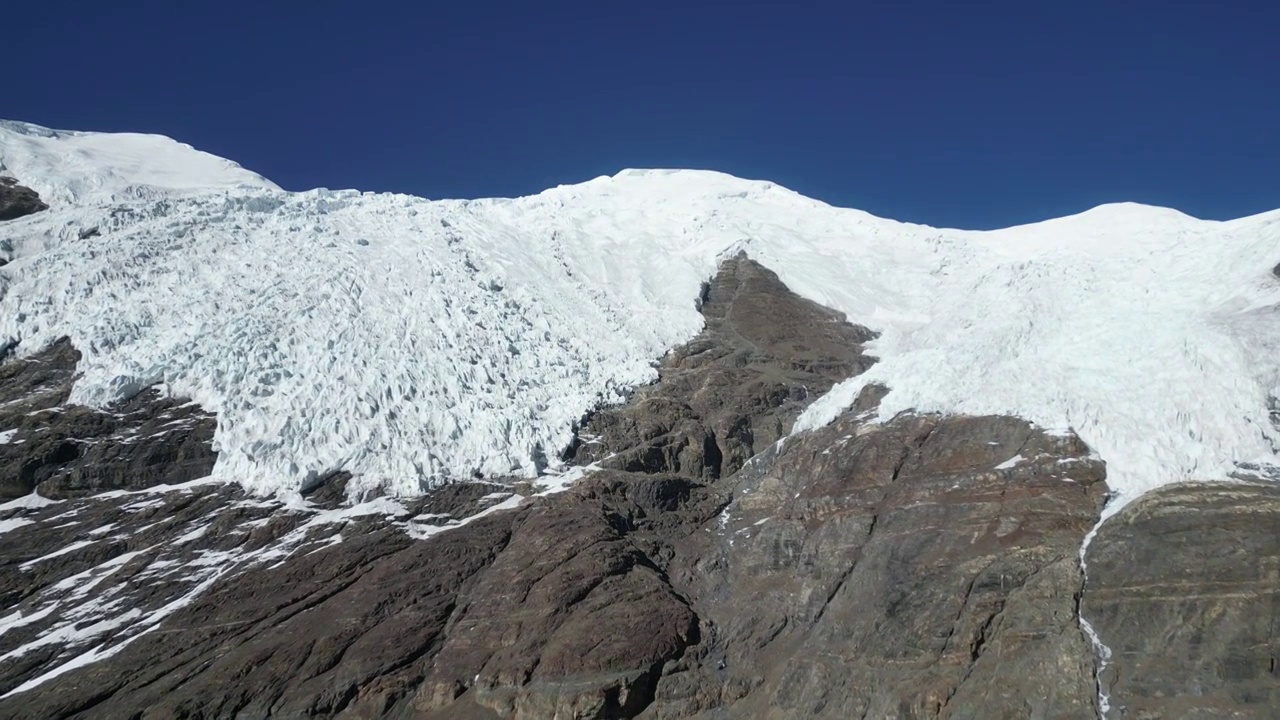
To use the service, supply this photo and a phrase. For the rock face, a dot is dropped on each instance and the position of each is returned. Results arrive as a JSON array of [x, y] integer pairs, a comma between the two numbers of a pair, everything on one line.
[[1184, 587], [735, 389], [161, 584], [70, 451], [911, 567], [898, 570], [18, 200]]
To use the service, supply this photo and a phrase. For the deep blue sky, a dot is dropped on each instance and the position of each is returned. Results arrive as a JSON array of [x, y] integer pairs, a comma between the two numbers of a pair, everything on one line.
[[971, 114]]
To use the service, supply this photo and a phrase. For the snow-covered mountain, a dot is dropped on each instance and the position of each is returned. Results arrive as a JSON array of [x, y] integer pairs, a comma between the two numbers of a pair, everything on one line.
[[746, 505], [408, 341]]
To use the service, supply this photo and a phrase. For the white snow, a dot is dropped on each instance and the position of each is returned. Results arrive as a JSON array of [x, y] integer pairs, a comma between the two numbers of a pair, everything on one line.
[[422, 531], [192, 535], [17, 619], [1150, 333], [8, 524], [1011, 462], [83, 167], [66, 549], [92, 656], [31, 501], [559, 480], [1101, 652], [73, 633], [408, 341], [101, 606]]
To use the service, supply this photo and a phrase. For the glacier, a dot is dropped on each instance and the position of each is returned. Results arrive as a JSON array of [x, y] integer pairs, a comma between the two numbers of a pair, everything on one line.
[[411, 341]]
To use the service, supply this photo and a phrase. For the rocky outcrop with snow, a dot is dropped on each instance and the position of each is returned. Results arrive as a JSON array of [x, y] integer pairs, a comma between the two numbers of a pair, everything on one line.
[[62, 451], [18, 200]]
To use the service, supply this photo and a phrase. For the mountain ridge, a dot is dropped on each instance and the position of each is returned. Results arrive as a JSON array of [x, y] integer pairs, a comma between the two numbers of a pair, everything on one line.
[[27, 128], [1028, 316], [696, 446]]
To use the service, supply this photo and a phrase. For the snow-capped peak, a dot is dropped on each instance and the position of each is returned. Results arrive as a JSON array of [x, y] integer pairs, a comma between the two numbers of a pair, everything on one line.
[[408, 341], [1133, 209], [662, 182], [68, 167]]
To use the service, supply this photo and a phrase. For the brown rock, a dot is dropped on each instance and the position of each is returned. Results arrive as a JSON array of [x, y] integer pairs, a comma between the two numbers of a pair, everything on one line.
[[1184, 588], [763, 356], [891, 571], [72, 451], [18, 200]]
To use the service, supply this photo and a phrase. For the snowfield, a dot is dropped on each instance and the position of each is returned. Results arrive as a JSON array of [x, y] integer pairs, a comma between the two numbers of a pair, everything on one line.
[[68, 167], [409, 341]]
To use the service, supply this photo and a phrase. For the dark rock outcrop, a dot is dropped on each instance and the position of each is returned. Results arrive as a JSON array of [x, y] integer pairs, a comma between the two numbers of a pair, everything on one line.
[[328, 491], [763, 356], [66, 450], [896, 570], [509, 613], [1184, 588], [18, 200]]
